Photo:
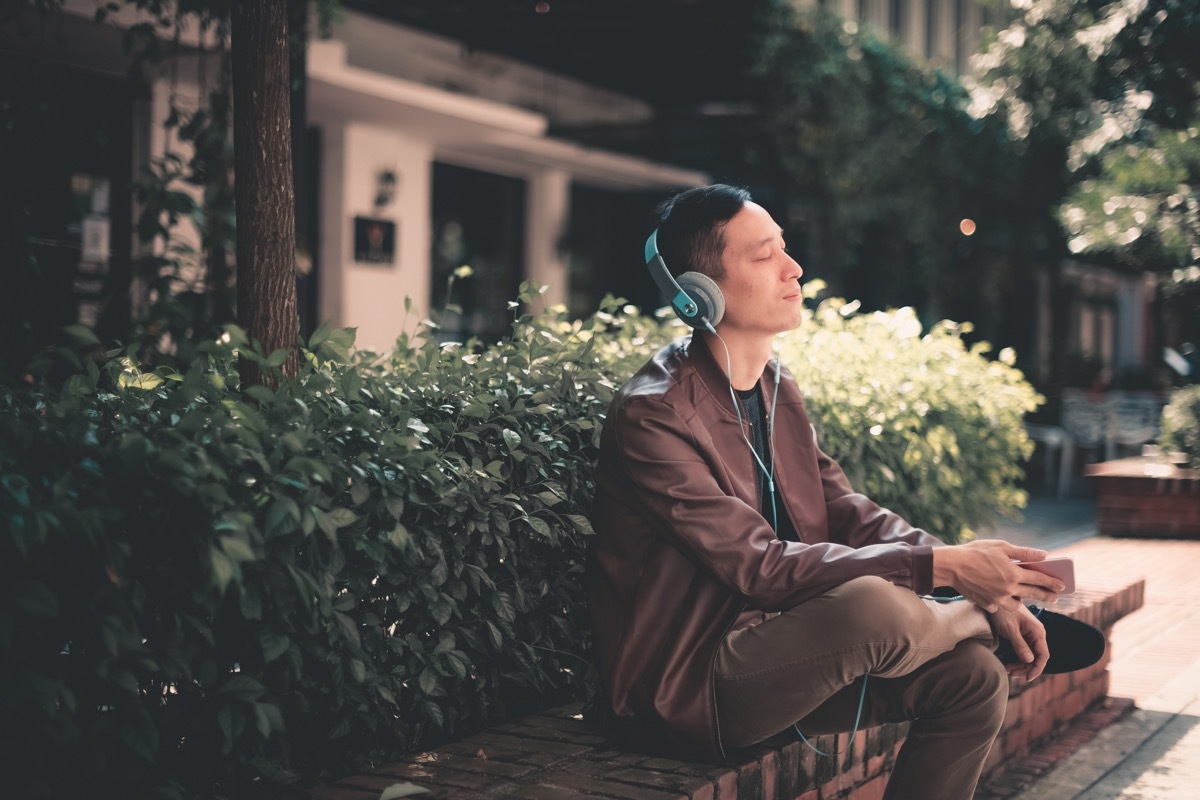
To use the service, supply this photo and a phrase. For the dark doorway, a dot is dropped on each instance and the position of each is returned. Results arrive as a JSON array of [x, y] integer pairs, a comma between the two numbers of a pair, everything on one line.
[[606, 238], [478, 222], [65, 227]]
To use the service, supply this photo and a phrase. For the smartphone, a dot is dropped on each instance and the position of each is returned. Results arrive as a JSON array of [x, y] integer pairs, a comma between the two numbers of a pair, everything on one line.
[[1061, 568]]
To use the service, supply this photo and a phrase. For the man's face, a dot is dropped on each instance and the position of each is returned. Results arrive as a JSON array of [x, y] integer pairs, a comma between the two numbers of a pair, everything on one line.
[[762, 282]]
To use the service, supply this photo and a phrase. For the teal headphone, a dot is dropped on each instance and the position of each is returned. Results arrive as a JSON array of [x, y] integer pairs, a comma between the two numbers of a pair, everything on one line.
[[695, 298]]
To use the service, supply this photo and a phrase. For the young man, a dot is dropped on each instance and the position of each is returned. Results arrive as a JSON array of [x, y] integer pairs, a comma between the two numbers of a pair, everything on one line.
[[739, 586]]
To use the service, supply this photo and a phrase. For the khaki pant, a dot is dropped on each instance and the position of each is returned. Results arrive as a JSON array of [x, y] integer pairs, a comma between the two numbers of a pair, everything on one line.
[[930, 663]]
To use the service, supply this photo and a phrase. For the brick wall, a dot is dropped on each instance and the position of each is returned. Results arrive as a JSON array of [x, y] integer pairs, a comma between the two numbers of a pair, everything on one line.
[[555, 756]]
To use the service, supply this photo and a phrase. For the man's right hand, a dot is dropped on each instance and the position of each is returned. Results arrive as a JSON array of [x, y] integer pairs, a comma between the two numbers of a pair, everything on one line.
[[984, 571]]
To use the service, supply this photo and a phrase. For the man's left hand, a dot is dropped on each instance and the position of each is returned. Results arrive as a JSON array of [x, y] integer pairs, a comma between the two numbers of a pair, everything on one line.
[[1028, 638]]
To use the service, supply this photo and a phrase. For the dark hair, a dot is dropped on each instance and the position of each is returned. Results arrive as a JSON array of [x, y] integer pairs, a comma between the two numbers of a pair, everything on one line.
[[691, 228]]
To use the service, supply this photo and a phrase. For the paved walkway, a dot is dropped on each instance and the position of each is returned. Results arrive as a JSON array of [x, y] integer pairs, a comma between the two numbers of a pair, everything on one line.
[[1153, 752]]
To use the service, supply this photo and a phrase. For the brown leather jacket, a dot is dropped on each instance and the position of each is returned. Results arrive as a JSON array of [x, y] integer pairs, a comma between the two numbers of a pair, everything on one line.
[[682, 555]]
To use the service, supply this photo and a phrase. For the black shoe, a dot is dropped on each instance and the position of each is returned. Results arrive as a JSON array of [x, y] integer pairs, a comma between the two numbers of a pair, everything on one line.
[[1073, 644]]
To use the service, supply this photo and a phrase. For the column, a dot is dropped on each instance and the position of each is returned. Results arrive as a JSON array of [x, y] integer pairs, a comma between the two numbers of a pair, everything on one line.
[[547, 206]]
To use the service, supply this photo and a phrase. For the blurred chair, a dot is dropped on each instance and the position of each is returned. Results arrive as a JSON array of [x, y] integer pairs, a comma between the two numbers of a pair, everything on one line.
[[1085, 417], [1055, 441], [1134, 419]]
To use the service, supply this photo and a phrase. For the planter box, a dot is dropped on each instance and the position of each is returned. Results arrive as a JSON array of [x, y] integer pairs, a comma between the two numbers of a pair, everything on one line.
[[1130, 502]]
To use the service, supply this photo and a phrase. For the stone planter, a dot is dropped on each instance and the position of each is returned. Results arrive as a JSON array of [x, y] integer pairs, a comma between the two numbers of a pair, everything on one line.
[[1137, 498]]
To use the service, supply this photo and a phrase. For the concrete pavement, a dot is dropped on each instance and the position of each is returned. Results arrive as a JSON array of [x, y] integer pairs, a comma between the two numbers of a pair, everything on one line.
[[1152, 752]]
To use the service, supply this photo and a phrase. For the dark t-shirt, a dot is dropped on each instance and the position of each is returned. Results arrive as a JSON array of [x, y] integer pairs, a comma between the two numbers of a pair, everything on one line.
[[752, 407]]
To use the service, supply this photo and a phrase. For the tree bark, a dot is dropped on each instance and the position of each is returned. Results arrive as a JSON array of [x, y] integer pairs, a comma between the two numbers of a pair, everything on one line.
[[264, 190]]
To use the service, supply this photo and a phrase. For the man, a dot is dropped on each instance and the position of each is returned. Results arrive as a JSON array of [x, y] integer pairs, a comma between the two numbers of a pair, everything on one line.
[[739, 586]]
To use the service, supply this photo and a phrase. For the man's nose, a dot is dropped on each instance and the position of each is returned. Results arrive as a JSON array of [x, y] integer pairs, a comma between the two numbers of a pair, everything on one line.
[[794, 269]]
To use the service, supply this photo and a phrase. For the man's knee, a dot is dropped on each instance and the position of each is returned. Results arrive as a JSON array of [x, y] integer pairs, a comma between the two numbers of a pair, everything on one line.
[[981, 681], [888, 610]]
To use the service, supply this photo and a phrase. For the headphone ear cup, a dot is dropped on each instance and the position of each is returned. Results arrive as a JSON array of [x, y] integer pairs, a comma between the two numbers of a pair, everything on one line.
[[707, 296]]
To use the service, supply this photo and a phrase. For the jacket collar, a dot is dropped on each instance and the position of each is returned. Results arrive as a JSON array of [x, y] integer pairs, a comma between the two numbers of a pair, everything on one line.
[[717, 381]]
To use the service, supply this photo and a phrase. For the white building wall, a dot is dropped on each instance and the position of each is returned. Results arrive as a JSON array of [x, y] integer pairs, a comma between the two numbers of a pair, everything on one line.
[[371, 296], [182, 83]]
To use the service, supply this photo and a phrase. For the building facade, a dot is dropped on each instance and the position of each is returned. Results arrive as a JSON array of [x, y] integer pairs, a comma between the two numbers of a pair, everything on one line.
[[422, 160]]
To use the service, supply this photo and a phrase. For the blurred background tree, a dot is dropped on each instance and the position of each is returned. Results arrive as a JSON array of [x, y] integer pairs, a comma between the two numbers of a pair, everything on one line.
[[885, 173], [1102, 100]]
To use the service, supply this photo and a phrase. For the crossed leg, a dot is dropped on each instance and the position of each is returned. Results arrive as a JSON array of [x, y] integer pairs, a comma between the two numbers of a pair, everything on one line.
[[929, 663]]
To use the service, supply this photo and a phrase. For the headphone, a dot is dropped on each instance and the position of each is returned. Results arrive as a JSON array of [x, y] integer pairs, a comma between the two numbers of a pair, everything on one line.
[[695, 298]]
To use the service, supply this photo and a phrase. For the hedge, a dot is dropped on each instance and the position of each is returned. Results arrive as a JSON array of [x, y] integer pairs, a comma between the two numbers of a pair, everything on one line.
[[216, 593], [1181, 425]]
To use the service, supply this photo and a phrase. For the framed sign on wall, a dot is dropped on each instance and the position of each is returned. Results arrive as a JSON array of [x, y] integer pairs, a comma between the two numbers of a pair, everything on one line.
[[374, 241]]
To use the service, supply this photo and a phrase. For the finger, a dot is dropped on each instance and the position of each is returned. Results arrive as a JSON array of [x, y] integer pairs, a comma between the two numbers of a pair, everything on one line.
[[1021, 648], [1026, 553], [1031, 577], [1041, 647], [1045, 596]]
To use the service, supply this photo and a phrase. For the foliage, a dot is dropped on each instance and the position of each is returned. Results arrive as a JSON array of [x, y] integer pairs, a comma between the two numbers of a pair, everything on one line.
[[223, 593], [1112, 89], [185, 273], [887, 155], [923, 424], [1181, 424]]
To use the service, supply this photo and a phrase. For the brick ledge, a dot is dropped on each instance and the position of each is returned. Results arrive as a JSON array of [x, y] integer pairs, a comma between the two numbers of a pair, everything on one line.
[[554, 755]]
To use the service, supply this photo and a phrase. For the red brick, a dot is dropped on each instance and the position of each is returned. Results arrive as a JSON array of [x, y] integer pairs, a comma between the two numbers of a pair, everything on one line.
[[871, 790], [377, 783], [540, 792], [484, 766], [337, 792], [605, 788], [769, 767], [422, 775]]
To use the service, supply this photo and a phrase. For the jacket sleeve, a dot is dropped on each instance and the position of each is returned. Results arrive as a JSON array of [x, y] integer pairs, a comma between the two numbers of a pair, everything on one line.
[[857, 521], [675, 479]]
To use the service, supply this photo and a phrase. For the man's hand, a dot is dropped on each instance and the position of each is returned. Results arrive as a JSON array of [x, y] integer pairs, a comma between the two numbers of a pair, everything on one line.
[[984, 572], [1027, 636]]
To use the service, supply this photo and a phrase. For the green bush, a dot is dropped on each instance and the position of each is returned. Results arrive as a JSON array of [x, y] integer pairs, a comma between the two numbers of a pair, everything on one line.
[[1181, 424], [223, 594], [920, 422]]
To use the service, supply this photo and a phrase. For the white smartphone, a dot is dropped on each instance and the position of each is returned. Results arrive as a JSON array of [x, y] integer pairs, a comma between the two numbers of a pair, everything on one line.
[[1061, 568]]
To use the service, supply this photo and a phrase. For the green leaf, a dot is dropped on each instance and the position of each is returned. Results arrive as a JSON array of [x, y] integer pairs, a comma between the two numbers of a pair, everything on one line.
[[503, 606], [428, 681], [405, 789], [82, 336], [225, 724], [222, 569], [242, 687], [320, 334], [399, 536], [18, 487], [581, 523], [262, 394], [341, 517], [139, 380], [34, 598], [273, 644], [538, 526], [278, 356], [237, 549], [139, 733]]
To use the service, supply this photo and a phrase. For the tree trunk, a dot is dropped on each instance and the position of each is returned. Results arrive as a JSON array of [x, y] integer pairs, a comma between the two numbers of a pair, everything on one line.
[[266, 206]]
